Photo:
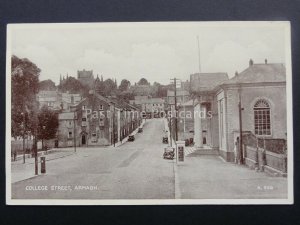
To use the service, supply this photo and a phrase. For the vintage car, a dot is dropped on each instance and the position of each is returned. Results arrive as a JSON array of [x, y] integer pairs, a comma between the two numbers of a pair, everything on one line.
[[131, 138], [140, 130]]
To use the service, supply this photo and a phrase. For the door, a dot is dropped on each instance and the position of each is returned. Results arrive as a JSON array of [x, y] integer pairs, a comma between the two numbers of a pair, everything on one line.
[[83, 140], [204, 136]]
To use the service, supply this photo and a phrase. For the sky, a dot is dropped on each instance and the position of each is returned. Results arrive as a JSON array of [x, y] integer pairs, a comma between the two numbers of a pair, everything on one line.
[[155, 51]]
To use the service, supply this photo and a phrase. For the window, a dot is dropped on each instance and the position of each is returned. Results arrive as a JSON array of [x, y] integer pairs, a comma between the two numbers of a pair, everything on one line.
[[83, 119], [83, 107], [70, 134], [94, 137], [262, 123], [100, 107]]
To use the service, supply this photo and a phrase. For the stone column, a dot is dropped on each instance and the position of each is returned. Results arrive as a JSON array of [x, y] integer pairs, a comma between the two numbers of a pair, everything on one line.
[[198, 139]]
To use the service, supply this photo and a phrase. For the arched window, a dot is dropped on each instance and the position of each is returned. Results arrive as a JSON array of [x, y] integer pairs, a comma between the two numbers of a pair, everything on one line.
[[262, 122]]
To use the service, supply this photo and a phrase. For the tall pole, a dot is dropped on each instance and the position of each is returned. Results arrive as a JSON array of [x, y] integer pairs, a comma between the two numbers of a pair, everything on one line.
[[176, 130], [175, 106], [114, 126], [199, 54], [241, 130], [74, 124], [23, 137]]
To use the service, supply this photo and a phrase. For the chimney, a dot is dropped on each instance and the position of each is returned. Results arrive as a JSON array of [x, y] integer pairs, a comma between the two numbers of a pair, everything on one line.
[[250, 62], [266, 61]]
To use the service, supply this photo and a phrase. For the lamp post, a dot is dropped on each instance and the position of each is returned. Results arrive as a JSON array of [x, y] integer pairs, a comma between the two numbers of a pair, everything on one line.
[[44, 128]]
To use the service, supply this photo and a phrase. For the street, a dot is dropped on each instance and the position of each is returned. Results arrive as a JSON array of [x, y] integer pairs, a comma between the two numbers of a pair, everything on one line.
[[136, 170]]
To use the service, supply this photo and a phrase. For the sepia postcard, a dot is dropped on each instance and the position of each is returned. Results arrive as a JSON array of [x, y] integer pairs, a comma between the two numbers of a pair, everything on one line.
[[149, 113]]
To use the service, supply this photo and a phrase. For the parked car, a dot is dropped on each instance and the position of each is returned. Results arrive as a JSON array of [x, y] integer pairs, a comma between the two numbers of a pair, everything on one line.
[[140, 130], [165, 140], [131, 138]]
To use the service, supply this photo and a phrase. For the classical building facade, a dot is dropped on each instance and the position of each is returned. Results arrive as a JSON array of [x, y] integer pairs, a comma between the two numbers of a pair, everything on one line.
[[254, 100]]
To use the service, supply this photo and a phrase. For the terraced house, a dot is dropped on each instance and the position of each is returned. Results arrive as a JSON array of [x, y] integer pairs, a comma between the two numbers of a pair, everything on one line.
[[97, 121]]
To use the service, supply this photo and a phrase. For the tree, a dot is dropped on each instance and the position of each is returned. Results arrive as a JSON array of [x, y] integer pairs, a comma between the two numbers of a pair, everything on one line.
[[47, 85], [73, 86], [109, 87], [143, 81], [24, 87], [124, 86], [47, 123]]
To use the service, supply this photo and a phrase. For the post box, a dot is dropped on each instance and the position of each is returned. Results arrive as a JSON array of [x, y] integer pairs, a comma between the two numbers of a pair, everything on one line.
[[43, 164]]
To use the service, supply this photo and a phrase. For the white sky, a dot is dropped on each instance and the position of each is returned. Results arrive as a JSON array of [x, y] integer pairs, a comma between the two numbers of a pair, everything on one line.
[[156, 51]]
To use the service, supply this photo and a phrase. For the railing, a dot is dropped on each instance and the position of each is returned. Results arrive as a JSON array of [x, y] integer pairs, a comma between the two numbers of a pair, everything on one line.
[[268, 155]]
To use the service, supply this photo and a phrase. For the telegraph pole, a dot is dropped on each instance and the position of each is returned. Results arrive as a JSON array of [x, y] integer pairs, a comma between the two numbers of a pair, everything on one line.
[[175, 101], [74, 131], [241, 130]]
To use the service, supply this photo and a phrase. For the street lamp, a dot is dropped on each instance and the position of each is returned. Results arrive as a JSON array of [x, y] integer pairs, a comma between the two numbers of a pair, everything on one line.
[[44, 128]]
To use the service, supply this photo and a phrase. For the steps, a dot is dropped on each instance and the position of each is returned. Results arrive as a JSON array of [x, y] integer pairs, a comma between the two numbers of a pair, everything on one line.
[[192, 152]]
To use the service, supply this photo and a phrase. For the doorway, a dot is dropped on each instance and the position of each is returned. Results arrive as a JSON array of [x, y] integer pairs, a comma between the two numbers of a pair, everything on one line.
[[83, 139]]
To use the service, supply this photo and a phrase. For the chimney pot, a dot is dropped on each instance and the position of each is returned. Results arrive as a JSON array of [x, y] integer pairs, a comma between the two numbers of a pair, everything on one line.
[[250, 62]]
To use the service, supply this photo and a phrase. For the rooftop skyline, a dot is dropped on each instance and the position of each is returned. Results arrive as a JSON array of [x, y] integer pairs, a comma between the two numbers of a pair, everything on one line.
[[155, 51]]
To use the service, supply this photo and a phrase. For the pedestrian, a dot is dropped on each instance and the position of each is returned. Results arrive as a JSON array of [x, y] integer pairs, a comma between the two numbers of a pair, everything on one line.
[[15, 155], [235, 151]]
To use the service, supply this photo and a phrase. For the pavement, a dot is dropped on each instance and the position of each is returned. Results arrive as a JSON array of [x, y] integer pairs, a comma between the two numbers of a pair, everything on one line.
[[210, 177], [137, 170]]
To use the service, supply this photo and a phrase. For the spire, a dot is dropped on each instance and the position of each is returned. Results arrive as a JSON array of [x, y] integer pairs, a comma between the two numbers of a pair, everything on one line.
[[67, 75], [59, 79]]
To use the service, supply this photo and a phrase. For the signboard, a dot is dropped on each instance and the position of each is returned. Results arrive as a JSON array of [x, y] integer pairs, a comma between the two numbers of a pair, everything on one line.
[[180, 153]]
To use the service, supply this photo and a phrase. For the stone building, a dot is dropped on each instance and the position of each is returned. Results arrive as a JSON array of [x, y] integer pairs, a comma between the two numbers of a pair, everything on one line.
[[67, 100], [150, 106], [51, 99], [260, 90], [98, 121], [86, 77]]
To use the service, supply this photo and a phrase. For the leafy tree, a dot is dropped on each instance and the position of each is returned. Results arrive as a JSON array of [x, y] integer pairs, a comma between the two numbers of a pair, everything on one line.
[[143, 81], [47, 85], [109, 87], [124, 86], [47, 123], [24, 87], [73, 86]]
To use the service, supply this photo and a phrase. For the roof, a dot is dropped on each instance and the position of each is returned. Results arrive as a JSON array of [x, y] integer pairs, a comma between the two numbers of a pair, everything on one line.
[[149, 101], [66, 116], [206, 81], [47, 93], [258, 73], [188, 103]]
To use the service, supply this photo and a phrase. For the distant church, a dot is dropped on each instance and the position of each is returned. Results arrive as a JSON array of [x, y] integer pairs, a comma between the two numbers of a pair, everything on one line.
[[86, 77]]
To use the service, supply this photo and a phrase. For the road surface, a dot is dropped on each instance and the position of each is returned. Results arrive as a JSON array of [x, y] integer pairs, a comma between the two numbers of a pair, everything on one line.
[[134, 170]]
